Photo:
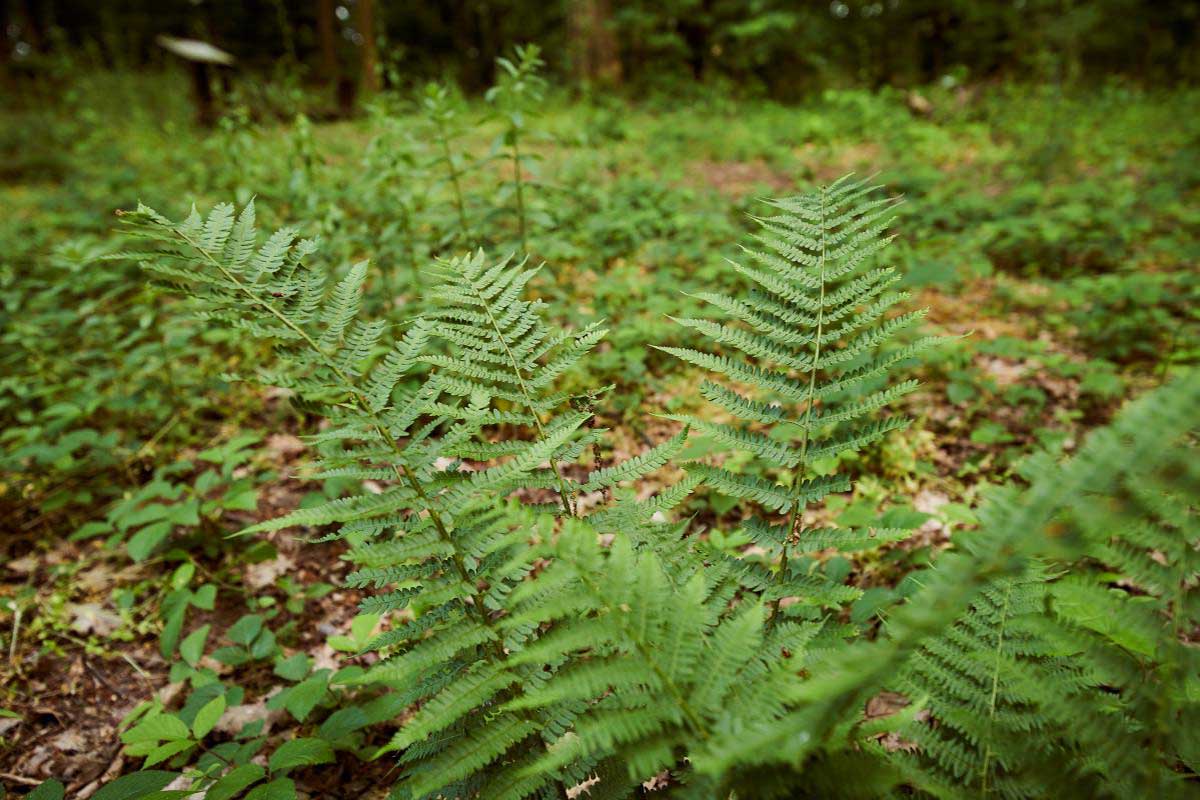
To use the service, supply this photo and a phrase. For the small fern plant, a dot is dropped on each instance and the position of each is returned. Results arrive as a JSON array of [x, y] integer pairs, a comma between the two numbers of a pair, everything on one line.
[[803, 376], [441, 541]]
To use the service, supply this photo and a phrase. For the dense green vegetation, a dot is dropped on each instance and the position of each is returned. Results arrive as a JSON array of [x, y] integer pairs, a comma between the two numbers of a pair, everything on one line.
[[527, 439]]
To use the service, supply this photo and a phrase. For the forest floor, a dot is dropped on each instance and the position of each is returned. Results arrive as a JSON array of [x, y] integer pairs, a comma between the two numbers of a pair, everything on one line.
[[1004, 259]]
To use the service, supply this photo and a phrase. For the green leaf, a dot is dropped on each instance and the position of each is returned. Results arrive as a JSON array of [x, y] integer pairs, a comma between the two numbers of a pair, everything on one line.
[[172, 628], [156, 729], [231, 656], [50, 790], [205, 597], [143, 543], [245, 500], [362, 626], [192, 647], [300, 753], [94, 528], [264, 646], [278, 789], [294, 668], [235, 781], [135, 786], [166, 750], [183, 575], [245, 629], [302, 698], [208, 716]]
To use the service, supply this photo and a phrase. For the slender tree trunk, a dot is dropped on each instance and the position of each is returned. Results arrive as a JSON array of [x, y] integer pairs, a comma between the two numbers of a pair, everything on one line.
[[370, 48], [329, 64], [593, 42], [206, 107], [33, 26]]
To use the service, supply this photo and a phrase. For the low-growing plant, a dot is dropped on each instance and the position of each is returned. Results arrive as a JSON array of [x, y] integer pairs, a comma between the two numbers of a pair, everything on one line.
[[517, 94]]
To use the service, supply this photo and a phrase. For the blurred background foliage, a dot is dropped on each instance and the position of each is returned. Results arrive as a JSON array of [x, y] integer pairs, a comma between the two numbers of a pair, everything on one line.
[[773, 48]]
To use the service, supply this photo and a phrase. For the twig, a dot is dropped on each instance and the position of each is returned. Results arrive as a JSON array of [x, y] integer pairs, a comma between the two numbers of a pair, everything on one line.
[[12, 646], [21, 779], [98, 677], [136, 667]]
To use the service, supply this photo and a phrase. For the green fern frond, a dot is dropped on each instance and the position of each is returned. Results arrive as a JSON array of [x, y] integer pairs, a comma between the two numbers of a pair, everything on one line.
[[798, 347]]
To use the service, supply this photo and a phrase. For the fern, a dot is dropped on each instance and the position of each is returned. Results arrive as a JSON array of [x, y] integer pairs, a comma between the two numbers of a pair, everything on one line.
[[983, 678], [1020, 686], [500, 347], [806, 381], [434, 539], [660, 665], [503, 348], [1090, 663]]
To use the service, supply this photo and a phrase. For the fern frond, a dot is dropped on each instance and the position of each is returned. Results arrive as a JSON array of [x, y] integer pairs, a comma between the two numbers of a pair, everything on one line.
[[812, 319]]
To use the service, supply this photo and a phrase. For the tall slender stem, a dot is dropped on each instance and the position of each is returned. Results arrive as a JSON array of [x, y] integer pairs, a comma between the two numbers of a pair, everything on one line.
[[987, 752], [454, 180], [802, 467], [517, 180], [563, 493]]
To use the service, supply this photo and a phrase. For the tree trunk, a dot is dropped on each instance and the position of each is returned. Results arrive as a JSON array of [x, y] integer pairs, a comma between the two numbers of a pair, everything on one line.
[[329, 63], [370, 48], [593, 42]]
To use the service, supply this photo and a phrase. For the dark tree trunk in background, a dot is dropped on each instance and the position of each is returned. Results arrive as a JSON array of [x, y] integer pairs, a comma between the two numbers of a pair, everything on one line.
[[30, 23], [593, 43], [370, 47], [934, 56], [328, 41], [475, 67], [206, 107], [696, 32]]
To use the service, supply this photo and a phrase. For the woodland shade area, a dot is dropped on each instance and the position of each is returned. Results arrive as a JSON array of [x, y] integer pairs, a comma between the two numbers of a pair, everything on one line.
[[596, 399], [777, 48]]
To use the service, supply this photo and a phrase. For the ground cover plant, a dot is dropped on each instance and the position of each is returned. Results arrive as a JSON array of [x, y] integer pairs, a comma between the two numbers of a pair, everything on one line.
[[518, 436]]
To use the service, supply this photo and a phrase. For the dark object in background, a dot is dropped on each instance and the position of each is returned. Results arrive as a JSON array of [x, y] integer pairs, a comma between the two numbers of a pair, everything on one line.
[[203, 59]]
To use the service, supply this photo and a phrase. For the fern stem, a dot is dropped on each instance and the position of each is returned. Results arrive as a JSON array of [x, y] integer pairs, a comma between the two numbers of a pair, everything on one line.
[[454, 175], [802, 467], [520, 188], [563, 493], [987, 752]]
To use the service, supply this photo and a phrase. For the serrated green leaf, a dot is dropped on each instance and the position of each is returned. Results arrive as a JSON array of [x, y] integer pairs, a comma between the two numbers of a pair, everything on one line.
[[300, 753], [235, 781]]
